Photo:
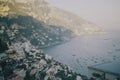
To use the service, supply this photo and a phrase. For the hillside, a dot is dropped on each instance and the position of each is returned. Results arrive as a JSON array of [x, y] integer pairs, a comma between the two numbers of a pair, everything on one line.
[[20, 58], [43, 11], [22, 61], [73, 22], [20, 37], [22, 28], [28, 26]]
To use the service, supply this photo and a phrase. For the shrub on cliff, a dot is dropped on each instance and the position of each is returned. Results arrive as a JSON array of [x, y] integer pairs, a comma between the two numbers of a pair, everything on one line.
[[3, 46]]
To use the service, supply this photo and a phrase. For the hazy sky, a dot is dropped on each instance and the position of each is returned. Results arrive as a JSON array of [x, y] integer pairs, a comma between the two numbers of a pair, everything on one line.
[[102, 12]]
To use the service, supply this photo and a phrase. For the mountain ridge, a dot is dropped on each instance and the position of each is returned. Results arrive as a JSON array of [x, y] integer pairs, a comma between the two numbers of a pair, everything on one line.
[[41, 10]]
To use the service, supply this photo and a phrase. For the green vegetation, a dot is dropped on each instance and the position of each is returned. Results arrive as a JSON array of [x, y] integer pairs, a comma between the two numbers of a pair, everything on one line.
[[3, 46], [96, 75], [25, 27], [62, 74]]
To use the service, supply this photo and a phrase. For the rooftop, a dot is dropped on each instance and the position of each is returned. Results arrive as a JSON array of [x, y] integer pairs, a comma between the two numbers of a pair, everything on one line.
[[111, 68]]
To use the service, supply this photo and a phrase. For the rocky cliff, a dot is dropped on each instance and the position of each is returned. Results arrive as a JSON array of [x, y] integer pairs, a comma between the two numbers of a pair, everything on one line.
[[22, 61]]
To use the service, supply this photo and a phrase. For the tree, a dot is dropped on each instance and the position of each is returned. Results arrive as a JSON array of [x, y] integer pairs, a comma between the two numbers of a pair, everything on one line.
[[3, 46]]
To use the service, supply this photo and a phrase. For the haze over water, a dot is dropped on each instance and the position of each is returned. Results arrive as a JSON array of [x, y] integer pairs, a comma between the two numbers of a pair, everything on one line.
[[105, 13], [84, 51]]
